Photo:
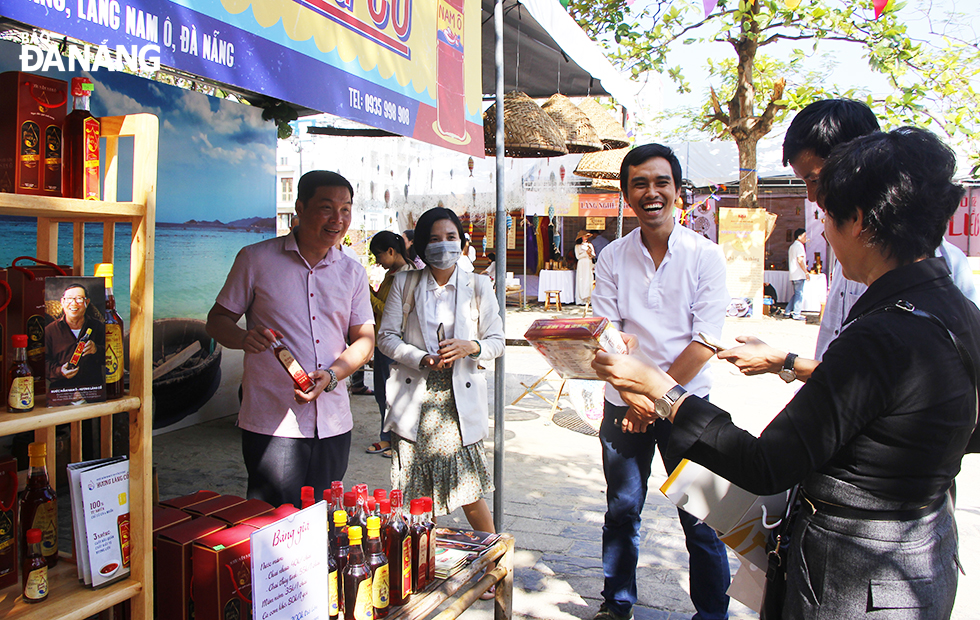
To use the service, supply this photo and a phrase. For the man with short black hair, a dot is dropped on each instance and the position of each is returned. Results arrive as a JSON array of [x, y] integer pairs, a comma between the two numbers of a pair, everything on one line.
[[665, 284], [305, 290]]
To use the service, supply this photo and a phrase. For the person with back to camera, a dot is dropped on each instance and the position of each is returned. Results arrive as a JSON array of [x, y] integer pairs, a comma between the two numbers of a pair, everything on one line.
[[389, 252], [877, 434], [437, 323], [813, 134]]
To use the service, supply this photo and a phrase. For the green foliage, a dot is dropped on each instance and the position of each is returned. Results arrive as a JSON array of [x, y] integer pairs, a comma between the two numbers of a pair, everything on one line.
[[934, 81]]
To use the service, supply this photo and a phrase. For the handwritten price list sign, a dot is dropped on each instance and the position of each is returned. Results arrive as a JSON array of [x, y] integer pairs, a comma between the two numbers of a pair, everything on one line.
[[289, 567]]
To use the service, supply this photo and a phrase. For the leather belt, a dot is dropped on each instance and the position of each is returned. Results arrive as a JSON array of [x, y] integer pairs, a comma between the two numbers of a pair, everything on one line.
[[848, 512]]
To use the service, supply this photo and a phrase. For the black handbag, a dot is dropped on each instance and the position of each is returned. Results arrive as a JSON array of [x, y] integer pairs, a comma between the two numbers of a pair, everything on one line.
[[777, 550]]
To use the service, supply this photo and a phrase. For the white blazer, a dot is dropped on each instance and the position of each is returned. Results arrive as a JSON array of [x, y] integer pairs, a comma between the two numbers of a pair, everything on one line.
[[406, 384]]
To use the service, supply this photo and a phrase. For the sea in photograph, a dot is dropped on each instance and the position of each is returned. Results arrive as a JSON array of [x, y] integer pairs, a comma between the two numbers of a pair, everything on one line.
[[191, 261]]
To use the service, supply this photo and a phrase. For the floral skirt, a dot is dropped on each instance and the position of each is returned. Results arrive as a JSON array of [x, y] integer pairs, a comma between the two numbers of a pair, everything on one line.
[[437, 464]]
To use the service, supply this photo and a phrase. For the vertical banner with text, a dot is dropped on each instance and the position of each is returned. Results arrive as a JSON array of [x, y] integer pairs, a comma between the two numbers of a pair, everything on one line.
[[742, 237]]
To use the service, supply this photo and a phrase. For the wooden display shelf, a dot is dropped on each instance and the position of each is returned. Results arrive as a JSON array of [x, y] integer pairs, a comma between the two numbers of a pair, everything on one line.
[[42, 417], [67, 208], [67, 599]]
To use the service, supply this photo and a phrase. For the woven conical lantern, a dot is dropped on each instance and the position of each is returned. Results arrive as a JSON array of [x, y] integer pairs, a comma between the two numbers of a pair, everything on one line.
[[528, 131], [580, 135], [601, 164], [611, 133], [609, 184]]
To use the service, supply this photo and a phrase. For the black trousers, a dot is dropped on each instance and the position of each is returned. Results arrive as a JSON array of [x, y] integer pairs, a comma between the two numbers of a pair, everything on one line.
[[279, 466]]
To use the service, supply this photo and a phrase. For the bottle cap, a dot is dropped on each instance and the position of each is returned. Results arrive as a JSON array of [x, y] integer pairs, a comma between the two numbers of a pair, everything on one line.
[[350, 498], [384, 506], [371, 504], [396, 498], [104, 270], [417, 507], [373, 523], [427, 502], [362, 491], [354, 534], [19, 340], [326, 495], [34, 535], [37, 448], [339, 517], [380, 494], [306, 496], [81, 87]]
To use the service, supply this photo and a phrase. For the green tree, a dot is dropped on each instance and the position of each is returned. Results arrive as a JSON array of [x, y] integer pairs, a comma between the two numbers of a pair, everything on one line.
[[933, 81]]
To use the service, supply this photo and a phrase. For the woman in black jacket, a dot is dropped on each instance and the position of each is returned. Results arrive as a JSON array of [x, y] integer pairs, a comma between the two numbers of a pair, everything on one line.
[[876, 435]]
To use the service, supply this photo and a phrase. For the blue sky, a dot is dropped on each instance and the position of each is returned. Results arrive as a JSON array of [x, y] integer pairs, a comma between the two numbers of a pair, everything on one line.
[[217, 158]]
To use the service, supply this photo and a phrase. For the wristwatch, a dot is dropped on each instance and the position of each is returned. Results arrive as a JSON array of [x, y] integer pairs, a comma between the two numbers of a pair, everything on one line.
[[665, 403], [333, 381], [788, 373]]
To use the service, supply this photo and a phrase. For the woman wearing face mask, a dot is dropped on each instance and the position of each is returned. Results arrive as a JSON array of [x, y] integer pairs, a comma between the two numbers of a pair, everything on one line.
[[437, 323]]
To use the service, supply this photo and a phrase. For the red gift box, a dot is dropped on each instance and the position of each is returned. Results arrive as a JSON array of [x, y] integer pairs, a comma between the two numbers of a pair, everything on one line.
[[32, 120], [222, 585], [271, 517], [188, 500], [210, 506], [172, 561]]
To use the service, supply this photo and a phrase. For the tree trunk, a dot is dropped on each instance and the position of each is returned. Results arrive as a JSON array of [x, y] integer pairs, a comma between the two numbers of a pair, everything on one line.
[[748, 177]]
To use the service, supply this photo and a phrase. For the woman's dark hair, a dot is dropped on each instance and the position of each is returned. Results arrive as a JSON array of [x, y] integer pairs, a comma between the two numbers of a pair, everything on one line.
[[644, 153], [902, 182], [387, 240], [492, 256], [824, 124], [798, 232], [309, 182], [423, 228]]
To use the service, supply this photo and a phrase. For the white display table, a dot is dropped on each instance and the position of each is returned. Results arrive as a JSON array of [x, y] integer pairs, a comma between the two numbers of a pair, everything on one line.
[[814, 289], [560, 280]]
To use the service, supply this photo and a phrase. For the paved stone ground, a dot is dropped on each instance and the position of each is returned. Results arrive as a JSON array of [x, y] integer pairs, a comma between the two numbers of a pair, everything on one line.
[[554, 493]]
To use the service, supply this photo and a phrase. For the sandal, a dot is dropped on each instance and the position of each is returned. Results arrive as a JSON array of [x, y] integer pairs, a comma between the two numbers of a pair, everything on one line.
[[386, 453], [377, 448], [362, 391]]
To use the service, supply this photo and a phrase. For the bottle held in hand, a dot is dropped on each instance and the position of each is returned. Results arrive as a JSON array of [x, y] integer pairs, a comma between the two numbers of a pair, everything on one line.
[[301, 380]]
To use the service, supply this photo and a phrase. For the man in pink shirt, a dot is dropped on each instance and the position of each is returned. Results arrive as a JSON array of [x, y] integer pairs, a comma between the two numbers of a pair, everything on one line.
[[316, 298]]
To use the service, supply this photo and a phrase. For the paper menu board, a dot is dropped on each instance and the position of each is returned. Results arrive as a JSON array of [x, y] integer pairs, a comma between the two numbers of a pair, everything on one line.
[[78, 513], [105, 505], [290, 568]]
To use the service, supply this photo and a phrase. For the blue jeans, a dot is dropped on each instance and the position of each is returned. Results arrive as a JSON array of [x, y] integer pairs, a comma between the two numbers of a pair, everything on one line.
[[626, 461], [795, 305], [382, 369]]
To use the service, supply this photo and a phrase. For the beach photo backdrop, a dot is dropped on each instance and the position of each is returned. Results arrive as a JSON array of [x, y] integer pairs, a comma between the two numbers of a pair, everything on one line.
[[216, 194]]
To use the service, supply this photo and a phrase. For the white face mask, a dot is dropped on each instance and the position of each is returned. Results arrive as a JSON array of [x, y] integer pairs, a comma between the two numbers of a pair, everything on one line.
[[442, 254]]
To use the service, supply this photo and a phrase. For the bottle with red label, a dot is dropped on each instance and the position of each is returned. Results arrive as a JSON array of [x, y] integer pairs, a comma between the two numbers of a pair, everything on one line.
[[20, 396], [420, 546], [358, 594], [377, 561], [399, 552], [80, 162], [39, 505], [76, 355], [301, 380]]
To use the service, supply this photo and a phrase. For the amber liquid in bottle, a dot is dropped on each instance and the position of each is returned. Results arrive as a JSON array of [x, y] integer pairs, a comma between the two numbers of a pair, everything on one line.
[[420, 548], [113, 337], [20, 396], [341, 550], [333, 593], [39, 506], [399, 552], [378, 564], [430, 525], [358, 597], [35, 570], [9, 534], [301, 380]]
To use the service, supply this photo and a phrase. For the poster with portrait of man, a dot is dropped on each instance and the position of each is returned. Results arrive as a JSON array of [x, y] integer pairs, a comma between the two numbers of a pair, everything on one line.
[[74, 340]]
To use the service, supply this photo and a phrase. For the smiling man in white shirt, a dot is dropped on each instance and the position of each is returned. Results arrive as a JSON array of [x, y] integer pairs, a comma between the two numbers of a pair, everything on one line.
[[664, 284]]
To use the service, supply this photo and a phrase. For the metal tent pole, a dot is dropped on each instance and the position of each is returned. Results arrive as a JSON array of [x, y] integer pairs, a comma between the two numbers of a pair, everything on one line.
[[501, 224]]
